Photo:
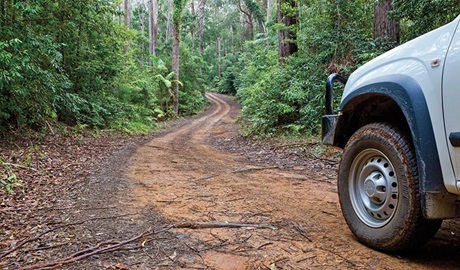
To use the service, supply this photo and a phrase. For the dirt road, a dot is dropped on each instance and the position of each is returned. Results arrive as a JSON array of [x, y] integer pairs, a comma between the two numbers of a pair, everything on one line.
[[186, 180], [235, 213]]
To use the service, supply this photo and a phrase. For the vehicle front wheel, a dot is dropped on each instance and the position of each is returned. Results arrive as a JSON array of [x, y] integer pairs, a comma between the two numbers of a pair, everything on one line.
[[379, 190]]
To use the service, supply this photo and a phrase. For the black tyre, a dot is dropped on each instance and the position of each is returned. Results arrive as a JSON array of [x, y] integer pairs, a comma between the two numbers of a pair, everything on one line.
[[379, 190]]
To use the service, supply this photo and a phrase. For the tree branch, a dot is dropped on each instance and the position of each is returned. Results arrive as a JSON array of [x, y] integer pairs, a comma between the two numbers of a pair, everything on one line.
[[98, 249], [23, 242], [211, 225]]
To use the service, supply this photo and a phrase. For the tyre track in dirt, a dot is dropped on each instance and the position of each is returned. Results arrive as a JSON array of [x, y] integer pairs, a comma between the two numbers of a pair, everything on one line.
[[186, 180], [180, 175]]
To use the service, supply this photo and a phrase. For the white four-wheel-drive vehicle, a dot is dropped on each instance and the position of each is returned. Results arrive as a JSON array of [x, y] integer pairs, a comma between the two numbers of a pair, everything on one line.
[[399, 125]]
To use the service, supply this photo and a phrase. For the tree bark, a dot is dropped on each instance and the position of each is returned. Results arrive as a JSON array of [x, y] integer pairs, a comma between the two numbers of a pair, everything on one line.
[[153, 26], [201, 24], [142, 30], [128, 20], [175, 64], [218, 57], [169, 20], [192, 12], [386, 28], [269, 9], [177, 16], [247, 19], [286, 37], [128, 13]]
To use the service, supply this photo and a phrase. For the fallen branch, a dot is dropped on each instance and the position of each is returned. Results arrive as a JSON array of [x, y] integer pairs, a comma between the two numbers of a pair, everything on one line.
[[98, 249], [329, 161], [264, 245], [207, 177], [53, 209], [254, 169], [301, 231], [212, 225], [338, 255], [19, 166], [50, 128], [25, 241]]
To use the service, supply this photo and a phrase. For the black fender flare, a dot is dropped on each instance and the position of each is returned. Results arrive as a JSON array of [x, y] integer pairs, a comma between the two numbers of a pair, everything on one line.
[[409, 96]]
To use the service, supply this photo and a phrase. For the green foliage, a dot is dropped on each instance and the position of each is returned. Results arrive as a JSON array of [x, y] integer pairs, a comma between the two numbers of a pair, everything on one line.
[[29, 66], [227, 84], [255, 10], [178, 8], [421, 16], [191, 98], [9, 182], [289, 98], [332, 36], [76, 62]]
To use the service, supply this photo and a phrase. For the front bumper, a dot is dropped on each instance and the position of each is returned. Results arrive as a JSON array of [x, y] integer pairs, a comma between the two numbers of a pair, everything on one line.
[[329, 123]]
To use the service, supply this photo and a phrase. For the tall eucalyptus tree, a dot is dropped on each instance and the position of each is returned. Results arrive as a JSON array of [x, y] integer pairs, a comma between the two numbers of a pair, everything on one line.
[[287, 17], [178, 7], [386, 28], [153, 26]]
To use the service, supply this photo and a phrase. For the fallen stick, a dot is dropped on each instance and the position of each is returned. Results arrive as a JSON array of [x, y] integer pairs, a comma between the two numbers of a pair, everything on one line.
[[212, 225], [255, 169], [301, 231], [35, 238], [87, 253], [18, 166]]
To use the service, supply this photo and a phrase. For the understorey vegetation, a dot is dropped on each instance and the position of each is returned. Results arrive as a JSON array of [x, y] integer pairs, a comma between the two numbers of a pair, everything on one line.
[[126, 65], [283, 92]]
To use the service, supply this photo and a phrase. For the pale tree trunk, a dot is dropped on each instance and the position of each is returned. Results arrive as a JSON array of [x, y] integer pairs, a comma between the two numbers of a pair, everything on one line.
[[153, 26], [169, 20], [142, 29], [385, 28], [142, 22], [192, 12], [247, 19], [218, 57], [286, 38], [177, 15], [269, 9], [175, 64], [192, 7], [201, 24], [128, 19], [128, 13]]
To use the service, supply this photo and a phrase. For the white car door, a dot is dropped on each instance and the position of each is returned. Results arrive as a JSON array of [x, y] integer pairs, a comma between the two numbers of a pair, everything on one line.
[[451, 102]]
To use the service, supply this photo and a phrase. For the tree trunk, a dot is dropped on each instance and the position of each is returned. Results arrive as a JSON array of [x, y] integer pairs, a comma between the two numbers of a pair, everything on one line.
[[201, 24], [386, 29], [177, 16], [175, 64], [269, 9], [247, 19], [142, 30], [153, 26], [128, 20], [192, 12], [286, 37], [128, 16], [169, 20], [218, 57]]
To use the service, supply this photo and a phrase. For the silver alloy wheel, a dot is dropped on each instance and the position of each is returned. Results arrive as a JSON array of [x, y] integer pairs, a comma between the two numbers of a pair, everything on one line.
[[373, 187]]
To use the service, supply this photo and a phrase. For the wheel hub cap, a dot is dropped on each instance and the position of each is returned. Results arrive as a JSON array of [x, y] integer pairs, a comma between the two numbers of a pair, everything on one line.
[[373, 188], [369, 187]]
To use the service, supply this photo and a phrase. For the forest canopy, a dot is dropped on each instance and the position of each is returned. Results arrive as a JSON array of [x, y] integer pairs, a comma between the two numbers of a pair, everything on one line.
[[128, 64]]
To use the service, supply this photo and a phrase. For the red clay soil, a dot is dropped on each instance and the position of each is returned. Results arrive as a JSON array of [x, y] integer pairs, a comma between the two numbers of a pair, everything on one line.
[[199, 196]]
